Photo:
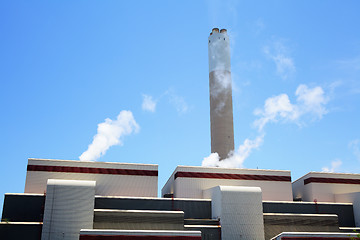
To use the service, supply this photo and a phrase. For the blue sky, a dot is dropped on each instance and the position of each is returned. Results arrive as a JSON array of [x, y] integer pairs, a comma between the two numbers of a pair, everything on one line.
[[66, 66]]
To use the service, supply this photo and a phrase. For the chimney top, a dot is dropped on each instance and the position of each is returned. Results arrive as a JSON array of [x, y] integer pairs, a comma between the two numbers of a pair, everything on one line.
[[223, 30], [215, 30]]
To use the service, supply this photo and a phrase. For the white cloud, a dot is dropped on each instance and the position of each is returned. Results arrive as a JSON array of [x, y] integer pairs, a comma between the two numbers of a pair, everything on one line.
[[334, 166], [285, 65], [235, 158], [148, 104], [275, 109], [110, 133], [354, 145], [310, 101]]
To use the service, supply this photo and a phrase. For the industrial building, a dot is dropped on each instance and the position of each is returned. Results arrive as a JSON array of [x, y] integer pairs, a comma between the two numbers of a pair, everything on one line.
[[78, 200]]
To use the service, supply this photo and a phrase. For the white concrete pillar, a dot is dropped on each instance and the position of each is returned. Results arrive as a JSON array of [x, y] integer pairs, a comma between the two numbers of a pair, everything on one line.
[[69, 207], [239, 210]]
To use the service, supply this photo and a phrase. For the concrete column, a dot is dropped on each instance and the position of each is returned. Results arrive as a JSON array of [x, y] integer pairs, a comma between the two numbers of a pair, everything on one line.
[[239, 210], [221, 109], [69, 207]]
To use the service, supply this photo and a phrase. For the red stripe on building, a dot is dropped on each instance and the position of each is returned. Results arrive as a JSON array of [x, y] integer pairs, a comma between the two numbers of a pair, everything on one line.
[[331, 180], [136, 237], [111, 171], [233, 176], [318, 238]]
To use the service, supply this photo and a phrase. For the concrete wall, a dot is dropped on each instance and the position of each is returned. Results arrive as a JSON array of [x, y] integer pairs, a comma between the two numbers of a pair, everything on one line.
[[87, 234], [207, 232], [69, 207], [353, 198], [138, 220], [277, 223], [20, 230], [239, 210], [112, 179], [189, 182], [192, 208], [22, 207], [322, 186], [344, 211], [315, 236]]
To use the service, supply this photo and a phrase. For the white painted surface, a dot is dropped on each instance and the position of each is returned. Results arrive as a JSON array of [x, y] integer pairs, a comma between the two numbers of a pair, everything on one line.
[[193, 187], [239, 210], [139, 232], [323, 192], [106, 184], [69, 207], [353, 198]]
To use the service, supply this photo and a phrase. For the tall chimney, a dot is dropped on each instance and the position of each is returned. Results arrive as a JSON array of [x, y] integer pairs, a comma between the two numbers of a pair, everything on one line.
[[221, 110]]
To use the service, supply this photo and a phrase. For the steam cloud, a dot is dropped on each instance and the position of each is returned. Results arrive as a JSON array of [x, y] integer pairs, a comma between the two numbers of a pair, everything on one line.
[[309, 102], [235, 158], [110, 133]]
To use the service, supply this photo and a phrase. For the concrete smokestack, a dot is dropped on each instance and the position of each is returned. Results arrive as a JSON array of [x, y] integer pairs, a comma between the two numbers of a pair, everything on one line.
[[221, 109]]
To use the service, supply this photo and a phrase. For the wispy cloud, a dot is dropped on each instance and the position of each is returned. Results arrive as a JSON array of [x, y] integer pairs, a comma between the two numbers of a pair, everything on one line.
[[355, 146], [285, 66], [350, 64], [177, 101], [110, 133], [148, 104], [334, 166], [310, 101]]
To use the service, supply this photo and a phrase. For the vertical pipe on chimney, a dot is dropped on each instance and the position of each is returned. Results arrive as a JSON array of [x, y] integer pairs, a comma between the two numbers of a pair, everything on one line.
[[221, 109]]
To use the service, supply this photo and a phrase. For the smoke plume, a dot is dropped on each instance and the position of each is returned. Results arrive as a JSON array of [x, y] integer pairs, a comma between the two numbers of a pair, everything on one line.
[[309, 102], [110, 133], [235, 158]]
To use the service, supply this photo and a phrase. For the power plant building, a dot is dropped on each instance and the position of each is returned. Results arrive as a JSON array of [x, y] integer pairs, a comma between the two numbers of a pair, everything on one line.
[[78, 200]]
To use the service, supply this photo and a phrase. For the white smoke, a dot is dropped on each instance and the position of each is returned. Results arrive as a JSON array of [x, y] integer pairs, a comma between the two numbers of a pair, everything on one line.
[[334, 166], [235, 158], [110, 133], [309, 101]]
